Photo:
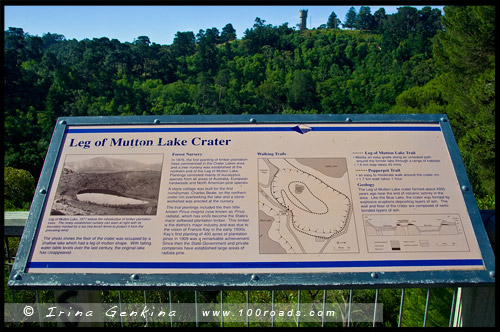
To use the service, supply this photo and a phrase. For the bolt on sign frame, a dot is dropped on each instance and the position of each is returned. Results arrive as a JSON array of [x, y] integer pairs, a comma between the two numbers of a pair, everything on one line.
[[253, 201]]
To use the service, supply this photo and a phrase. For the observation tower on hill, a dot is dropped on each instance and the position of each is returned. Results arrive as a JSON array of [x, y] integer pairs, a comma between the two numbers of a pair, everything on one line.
[[303, 18]]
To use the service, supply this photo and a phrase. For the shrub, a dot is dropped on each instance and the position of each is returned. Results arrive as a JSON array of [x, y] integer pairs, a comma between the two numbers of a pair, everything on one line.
[[19, 186]]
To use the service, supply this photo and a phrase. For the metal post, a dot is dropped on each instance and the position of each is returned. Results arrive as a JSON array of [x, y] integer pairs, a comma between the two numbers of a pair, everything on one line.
[[146, 304], [298, 308], [170, 307], [196, 305], [38, 307], [350, 306], [375, 307], [222, 308], [272, 307], [401, 307], [248, 300], [427, 305], [453, 304], [324, 309]]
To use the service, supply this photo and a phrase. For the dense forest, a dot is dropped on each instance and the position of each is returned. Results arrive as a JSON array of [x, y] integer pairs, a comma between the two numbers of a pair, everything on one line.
[[412, 61]]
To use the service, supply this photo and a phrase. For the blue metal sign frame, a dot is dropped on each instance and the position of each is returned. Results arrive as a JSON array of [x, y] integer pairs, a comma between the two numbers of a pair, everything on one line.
[[22, 279]]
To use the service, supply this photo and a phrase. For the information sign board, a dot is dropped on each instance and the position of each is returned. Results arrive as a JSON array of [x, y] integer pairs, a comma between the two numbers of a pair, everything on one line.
[[261, 196]]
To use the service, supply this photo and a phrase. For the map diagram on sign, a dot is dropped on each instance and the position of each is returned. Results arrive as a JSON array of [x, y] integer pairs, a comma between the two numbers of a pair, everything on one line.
[[305, 206]]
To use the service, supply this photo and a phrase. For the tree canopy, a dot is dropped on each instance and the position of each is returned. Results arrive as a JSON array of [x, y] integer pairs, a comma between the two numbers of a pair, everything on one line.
[[464, 89], [414, 61]]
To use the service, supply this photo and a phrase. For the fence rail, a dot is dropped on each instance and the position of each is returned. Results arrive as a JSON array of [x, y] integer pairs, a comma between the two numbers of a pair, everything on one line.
[[471, 306]]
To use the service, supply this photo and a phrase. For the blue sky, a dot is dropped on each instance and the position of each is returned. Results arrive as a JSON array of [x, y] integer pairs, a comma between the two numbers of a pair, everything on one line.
[[160, 23]]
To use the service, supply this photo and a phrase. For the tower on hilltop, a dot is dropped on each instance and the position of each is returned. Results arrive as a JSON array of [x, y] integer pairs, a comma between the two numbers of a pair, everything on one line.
[[303, 18]]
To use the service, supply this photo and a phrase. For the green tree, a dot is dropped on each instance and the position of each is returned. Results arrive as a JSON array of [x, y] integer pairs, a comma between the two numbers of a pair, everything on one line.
[[350, 19], [333, 21], [221, 82], [15, 55], [23, 145], [438, 311], [261, 34], [34, 48], [427, 99], [466, 56], [206, 56], [271, 69], [50, 39], [302, 91], [364, 20], [183, 44], [205, 96], [379, 18], [142, 53], [228, 33], [465, 89], [397, 28], [19, 187], [429, 24], [271, 97]]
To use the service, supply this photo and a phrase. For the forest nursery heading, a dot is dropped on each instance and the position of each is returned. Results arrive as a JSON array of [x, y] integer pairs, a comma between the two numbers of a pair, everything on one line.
[[196, 141]]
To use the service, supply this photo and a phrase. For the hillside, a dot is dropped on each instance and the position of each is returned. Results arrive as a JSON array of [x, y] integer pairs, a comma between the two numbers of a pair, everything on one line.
[[412, 61]]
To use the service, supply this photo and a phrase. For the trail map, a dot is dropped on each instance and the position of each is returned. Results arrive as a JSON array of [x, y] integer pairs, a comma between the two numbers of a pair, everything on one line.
[[305, 206]]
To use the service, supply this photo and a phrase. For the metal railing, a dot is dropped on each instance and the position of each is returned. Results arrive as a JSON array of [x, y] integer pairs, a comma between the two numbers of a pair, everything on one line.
[[401, 307]]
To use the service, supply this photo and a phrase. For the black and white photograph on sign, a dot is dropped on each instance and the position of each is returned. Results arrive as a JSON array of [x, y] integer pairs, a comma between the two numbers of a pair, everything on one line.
[[109, 185]]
